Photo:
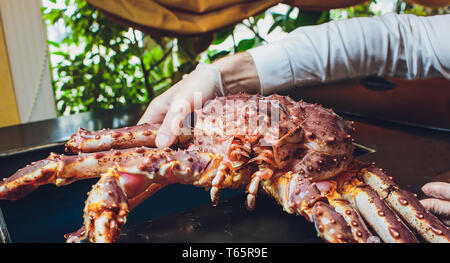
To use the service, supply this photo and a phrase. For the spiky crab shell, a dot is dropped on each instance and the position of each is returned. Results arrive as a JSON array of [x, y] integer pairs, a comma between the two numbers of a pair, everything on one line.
[[303, 137]]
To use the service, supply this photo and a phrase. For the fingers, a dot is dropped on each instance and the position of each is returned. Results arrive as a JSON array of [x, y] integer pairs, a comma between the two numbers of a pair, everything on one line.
[[440, 204], [170, 108], [173, 122], [157, 109], [153, 114], [437, 206], [439, 190]]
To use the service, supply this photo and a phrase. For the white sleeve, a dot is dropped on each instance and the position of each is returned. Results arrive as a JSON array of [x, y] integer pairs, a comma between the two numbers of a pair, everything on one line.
[[391, 45]]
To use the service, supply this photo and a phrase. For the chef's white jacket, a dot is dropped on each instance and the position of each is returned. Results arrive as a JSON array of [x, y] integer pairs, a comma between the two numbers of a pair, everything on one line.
[[390, 45]]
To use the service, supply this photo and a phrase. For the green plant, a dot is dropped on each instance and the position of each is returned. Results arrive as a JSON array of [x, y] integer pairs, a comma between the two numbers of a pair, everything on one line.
[[100, 64], [112, 65]]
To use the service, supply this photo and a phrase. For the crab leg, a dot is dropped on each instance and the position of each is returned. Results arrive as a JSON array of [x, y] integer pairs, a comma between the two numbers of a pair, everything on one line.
[[406, 205], [216, 182], [126, 185], [385, 222], [260, 175], [298, 195], [359, 228], [111, 209], [106, 209], [62, 170], [122, 138]]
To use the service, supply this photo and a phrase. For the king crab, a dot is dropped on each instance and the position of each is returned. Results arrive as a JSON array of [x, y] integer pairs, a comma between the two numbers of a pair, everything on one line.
[[300, 154]]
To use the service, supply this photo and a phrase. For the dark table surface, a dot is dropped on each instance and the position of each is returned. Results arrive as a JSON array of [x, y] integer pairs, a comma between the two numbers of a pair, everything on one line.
[[413, 156]]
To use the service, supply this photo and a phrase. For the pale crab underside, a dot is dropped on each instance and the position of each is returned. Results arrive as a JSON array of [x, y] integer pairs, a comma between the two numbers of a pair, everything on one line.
[[299, 153]]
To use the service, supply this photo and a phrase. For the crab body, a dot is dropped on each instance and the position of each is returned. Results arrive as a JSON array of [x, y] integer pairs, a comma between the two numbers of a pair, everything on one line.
[[299, 153]]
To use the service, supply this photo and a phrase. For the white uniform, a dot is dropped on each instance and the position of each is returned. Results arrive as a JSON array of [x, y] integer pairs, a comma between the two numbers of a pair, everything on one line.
[[391, 45]]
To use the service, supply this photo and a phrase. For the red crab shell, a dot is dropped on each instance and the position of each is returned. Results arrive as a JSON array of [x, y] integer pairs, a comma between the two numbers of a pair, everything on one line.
[[302, 137]]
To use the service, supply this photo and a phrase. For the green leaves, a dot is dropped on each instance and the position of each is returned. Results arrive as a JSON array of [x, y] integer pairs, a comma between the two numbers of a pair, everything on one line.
[[216, 54], [304, 18], [222, 35], [101, 64], [52, 43], [308, 18], [246, 44]]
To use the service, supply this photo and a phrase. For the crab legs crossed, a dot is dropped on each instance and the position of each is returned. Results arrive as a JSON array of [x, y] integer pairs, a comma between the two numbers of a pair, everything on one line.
[[127, 177]]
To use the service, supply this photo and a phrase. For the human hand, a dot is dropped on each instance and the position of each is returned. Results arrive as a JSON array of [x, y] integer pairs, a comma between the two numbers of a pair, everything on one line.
[[170, 108], [440, 203], [228, 75]]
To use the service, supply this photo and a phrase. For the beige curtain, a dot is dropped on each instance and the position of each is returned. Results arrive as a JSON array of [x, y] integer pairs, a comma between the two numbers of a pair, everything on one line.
[[28, 88], [192, 17]]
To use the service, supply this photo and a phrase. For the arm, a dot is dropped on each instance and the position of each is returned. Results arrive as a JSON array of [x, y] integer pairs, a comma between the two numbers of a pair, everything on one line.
[[231, 74], [391, 45]]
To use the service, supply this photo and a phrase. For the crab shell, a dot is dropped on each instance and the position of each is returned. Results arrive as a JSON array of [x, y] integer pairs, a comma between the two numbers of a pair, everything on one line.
[[304, 138]]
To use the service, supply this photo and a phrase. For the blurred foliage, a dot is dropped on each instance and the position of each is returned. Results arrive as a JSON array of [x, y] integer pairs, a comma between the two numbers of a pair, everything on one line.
[[362, 10], [101, 64], [403, 7]]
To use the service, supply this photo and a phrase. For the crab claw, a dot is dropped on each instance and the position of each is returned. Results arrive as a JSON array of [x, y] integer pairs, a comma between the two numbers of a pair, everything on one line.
[[77, 236], [125, 186], [106, 209]]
